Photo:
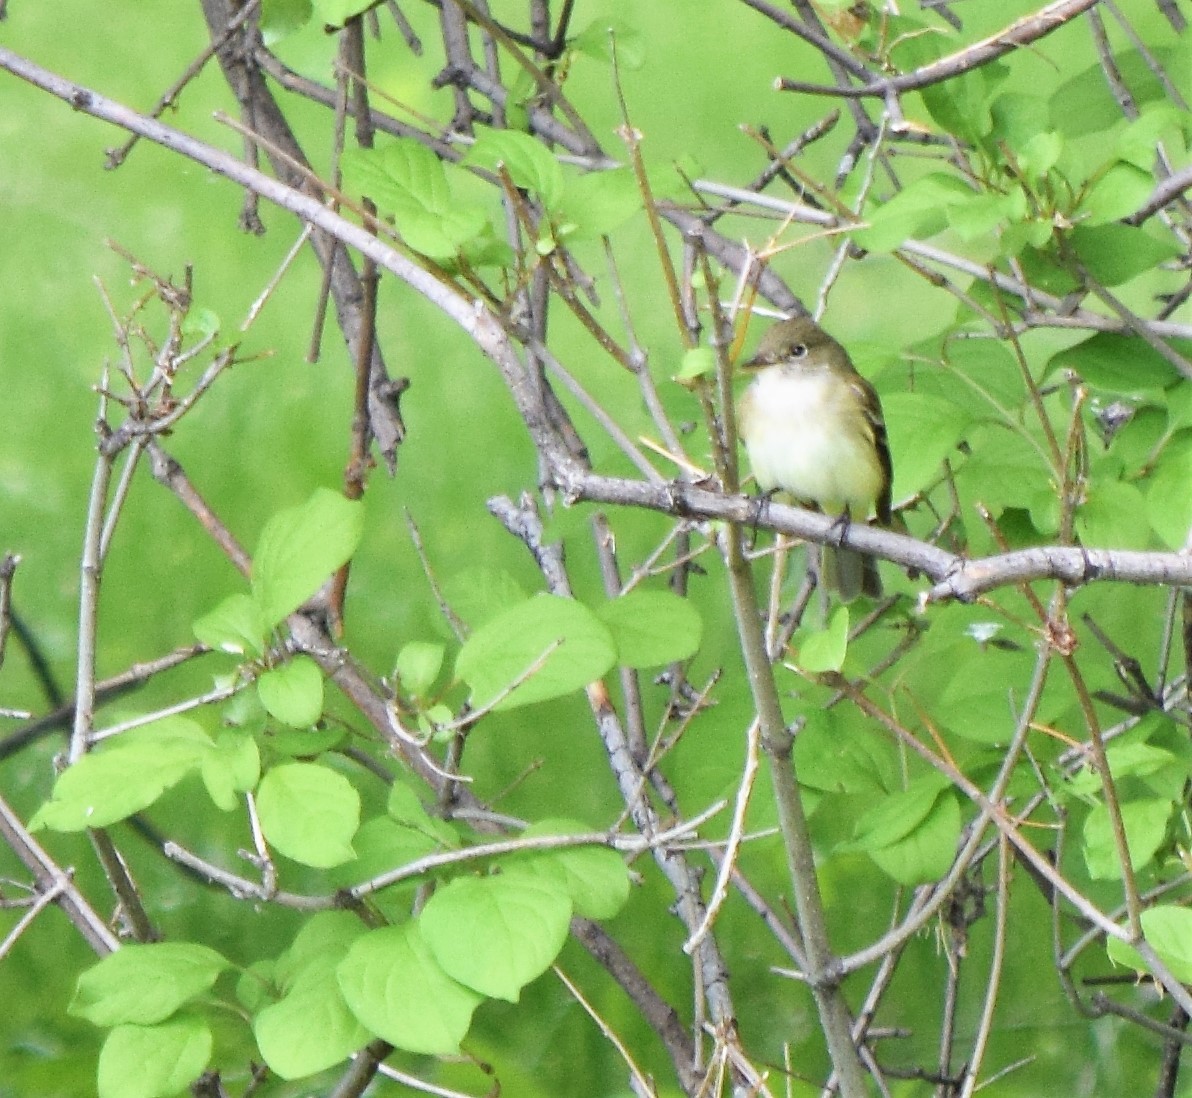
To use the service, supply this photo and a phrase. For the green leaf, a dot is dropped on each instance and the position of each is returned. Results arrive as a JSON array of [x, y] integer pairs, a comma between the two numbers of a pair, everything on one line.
[[496, 934], [381, 845], [114, 781], [1084, 104], [1018, 117], [697, 362], [977, 701], [230, 767], [418, 665], [825, 649], [236, 625], [1116, 253], [980, 215], [898, 814], [319, 946], [651, 628], [961, 105], [144, 983], [485, 249], [1137, 442], [405, 807], [923, 431], [595, 877], [1118, 363], [308, 1030], [203, 323], [309, 813], [608, 34], [1159, 122], [830, 756], [573, 645], [395, 986], [1146, 827], [409, 182], [1029, 233], [1168, 929], [596, 203], [153, 1061], [1109, 516], [926, 853], [1000, 475], [300, 547], [254, 986], [281, 18], [988, 369], [310, 1027], [1168, 501], [293, 692], [1040, 154], [529, 163], [1117, 194], [920, 211], [1179, 409], [1133, 760]]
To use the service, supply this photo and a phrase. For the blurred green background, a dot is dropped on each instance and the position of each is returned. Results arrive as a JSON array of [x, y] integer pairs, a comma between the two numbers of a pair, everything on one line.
[[274, 429]]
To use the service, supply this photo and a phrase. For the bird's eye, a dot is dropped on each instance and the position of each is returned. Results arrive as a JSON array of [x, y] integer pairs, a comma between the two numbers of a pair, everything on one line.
[[798, 350]]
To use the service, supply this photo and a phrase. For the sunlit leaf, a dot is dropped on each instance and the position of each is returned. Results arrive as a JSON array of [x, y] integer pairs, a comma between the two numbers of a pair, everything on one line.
[[394, 984], [564, 640], [300, 547], [309, 813]]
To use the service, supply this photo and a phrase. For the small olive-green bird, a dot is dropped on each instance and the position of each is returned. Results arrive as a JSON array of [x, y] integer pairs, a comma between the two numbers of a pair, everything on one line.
[[812, 427]]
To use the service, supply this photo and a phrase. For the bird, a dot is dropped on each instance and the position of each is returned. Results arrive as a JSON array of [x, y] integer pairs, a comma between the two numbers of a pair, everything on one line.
[[813, 428]]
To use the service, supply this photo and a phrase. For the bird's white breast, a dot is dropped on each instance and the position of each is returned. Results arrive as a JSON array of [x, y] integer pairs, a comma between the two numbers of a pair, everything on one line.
[[805, 433]]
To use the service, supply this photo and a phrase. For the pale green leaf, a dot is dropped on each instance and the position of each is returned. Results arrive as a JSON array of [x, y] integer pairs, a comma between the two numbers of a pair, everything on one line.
[[236, 625], [1108, 517], [1145, 822], [651, 628], [825, 649], [1119, 363], [418, 665], [299, 549], [496, 934], [145, 983], [595, 877], [231, 767], [1168, 929], [1168, 501], [926, 853], [919, 210], [395, 986], [567, 644], [611, 36], [1117, 194], [123, 777], [293, 691], [281, 18], [309, 813], [922, 432], [596, 203], [529, 163], [310, 1027], [697, 362], [153, 1061]]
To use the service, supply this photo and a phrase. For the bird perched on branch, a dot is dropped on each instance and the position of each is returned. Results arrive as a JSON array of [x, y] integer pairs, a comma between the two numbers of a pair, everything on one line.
[[813, 428]]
